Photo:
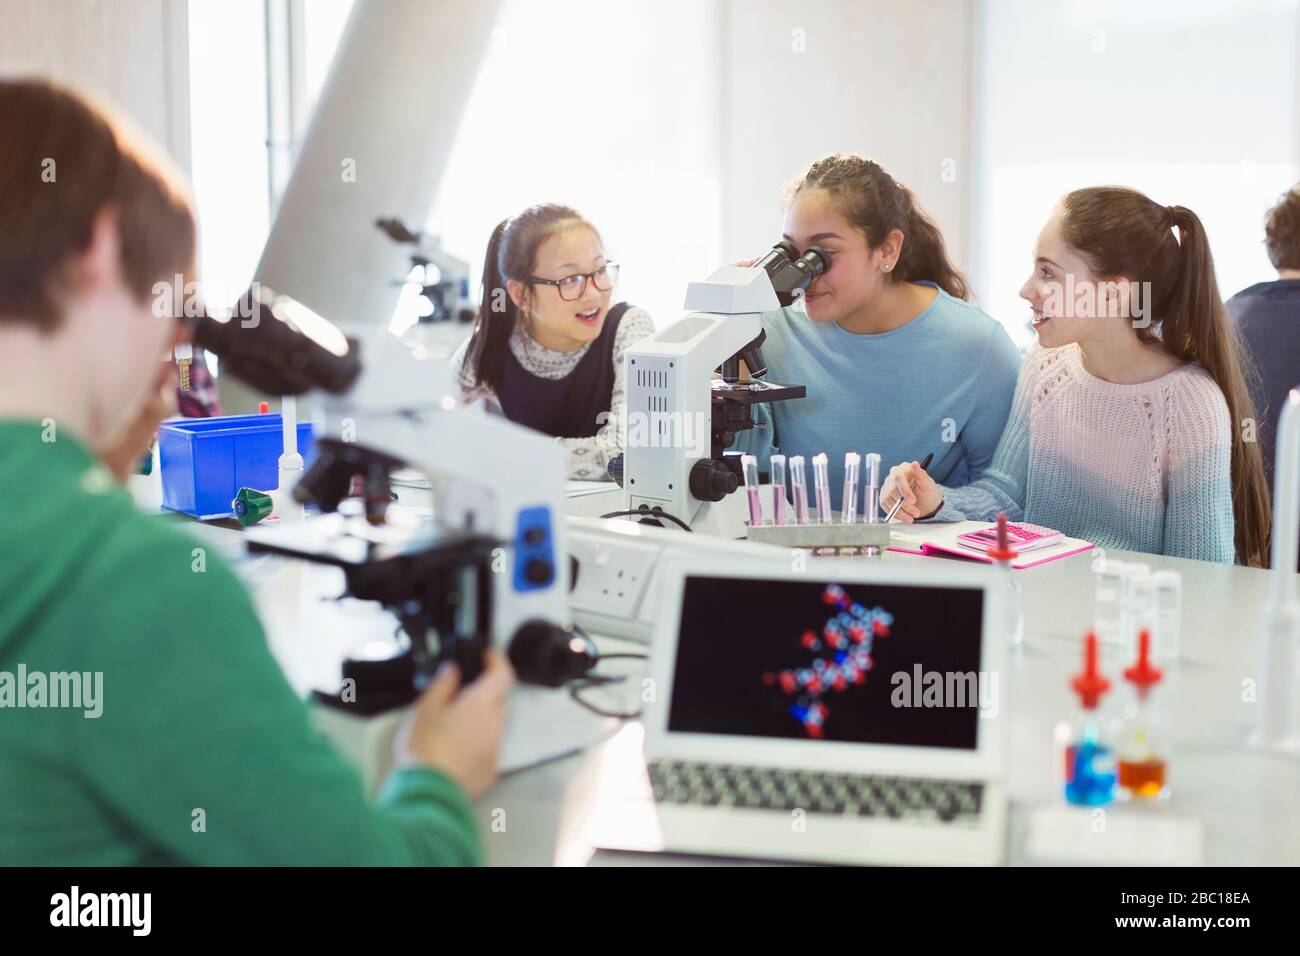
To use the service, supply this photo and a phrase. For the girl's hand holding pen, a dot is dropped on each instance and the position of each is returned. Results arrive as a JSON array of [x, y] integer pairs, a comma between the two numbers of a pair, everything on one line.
[[921, 495]]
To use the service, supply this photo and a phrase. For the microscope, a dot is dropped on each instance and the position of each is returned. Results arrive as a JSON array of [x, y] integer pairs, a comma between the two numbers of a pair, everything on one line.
[[686, 399], [490, 567], [444, 279]]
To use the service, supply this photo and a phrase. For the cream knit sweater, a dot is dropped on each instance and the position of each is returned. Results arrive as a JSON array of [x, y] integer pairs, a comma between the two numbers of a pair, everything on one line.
[[1142, 467]]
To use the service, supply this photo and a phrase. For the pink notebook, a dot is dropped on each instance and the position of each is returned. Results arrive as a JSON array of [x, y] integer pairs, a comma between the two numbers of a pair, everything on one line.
[[942, 541]]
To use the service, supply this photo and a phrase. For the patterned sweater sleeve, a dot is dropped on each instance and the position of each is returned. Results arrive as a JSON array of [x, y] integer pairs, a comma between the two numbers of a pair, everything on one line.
[[589, 457], [1198, 474], [1002, 485]]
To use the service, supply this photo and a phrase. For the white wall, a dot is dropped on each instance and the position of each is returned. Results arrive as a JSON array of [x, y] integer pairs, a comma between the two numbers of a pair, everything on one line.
[[1195, 103], [611, 109], [132, 52], [886, 79]]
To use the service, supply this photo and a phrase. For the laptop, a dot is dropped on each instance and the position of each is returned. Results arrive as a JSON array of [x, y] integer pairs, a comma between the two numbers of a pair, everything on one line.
[[849, 712]]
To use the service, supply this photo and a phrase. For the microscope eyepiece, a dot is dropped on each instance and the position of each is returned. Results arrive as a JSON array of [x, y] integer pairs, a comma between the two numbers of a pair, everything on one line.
[[791, 274], [817, 259]]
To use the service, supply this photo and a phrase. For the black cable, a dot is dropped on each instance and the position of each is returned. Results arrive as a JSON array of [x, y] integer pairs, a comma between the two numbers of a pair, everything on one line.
[[656, 512], [575, 691], [576, 687]]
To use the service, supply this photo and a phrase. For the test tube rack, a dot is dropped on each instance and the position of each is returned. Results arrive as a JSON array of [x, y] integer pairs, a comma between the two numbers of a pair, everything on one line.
[[854, 536]]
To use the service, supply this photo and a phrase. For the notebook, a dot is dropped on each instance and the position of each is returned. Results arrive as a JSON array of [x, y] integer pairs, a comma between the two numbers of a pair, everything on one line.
[[941, 540]]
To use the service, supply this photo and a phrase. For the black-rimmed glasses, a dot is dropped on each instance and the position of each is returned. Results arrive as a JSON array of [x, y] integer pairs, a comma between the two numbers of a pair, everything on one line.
[[572, 287]]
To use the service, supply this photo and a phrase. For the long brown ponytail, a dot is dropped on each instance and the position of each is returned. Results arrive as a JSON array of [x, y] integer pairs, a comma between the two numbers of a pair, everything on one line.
[[1121, 232], [876, 204]]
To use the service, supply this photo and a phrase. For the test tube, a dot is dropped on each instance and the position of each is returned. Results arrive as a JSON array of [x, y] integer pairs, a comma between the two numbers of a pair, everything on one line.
[[799, 489], [749, 467], [849, 500], [872, 504], [822, 485], [780, 513]]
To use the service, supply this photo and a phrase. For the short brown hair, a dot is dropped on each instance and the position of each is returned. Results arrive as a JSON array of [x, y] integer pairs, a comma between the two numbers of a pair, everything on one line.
[[1282, 231], [64, 161]]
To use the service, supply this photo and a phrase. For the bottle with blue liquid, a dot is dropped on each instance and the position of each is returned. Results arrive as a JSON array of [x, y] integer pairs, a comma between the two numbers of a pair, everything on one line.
[[1090, 769]]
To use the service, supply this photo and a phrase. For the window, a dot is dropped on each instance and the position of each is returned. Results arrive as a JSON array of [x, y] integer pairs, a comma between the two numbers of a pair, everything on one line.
[[1193, 103]]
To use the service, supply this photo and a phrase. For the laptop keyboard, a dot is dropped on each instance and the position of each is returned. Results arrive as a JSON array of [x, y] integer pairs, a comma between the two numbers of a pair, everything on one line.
[[842, 794]]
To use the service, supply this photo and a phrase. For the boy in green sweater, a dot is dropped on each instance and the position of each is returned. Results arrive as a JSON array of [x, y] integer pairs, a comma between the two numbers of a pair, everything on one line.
[[126, 738]]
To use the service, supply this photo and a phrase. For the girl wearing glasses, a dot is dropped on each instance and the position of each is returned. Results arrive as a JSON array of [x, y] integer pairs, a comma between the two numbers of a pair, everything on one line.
[[547, 347]]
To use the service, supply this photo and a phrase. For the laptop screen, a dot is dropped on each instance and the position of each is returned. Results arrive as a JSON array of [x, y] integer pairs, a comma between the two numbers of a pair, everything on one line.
[[807, 659]]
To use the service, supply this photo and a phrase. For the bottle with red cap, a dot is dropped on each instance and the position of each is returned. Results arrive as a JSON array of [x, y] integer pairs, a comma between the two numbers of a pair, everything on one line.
[[1003, 555], [1089, 762], [1142, 763]]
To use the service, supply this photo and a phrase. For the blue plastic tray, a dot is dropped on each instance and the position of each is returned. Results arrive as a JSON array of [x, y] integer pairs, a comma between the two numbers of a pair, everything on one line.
[[205, 461]]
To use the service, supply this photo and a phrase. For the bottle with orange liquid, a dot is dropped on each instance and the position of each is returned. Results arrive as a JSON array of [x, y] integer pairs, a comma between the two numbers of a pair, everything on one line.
[[1142, 759]]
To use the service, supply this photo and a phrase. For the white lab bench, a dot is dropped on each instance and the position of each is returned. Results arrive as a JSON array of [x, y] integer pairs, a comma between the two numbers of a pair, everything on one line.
[[1247, 803]]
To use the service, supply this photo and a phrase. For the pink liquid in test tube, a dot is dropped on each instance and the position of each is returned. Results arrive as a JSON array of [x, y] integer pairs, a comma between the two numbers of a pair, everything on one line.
[[780, 513], [749, 468]]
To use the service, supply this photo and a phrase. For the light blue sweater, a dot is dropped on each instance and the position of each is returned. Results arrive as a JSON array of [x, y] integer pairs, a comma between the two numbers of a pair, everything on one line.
[[942, 383]]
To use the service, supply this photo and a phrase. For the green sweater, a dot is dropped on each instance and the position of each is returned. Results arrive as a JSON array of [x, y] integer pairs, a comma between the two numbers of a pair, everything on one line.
[[201, 752]]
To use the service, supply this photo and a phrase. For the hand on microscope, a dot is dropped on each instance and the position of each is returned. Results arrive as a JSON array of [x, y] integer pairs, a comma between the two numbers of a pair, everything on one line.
[[122, 457], [458, 730], [922, 497]]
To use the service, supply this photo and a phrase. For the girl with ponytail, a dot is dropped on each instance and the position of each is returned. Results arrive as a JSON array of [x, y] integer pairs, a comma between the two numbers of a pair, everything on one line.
[[894, 359], [1130, 417], [547, 347]]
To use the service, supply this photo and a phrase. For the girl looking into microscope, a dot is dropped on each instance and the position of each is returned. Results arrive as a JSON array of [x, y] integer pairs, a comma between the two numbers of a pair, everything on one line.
[[895, 360], [547, 346]]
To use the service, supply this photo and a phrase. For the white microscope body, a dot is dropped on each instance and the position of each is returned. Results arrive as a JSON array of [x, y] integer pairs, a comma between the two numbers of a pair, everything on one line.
[[680, 416]]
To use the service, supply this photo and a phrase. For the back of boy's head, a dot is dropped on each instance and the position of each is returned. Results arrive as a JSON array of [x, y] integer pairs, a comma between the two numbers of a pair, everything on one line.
[[63, 162], [1282, 232]]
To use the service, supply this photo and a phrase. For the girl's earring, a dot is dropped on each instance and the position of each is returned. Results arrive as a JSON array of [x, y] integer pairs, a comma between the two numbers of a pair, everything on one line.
[[888, 266]]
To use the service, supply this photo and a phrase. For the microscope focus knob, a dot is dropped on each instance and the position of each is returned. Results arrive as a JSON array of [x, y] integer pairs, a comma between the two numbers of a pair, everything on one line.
[[712, 480], [549, 654], [539, 571]]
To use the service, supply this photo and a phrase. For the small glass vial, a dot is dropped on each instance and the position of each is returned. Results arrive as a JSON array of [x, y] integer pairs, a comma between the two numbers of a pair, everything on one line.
[[1140, 744], [1168, 614], [799, 489], [1106, 620], [780, 513], [822, 488], [749, 468], [1143, 596], [1090, 772], [1127, 622], [849, 496]]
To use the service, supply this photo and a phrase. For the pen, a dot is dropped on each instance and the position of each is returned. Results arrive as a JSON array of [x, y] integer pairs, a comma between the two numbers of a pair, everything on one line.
[[910, 483]]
